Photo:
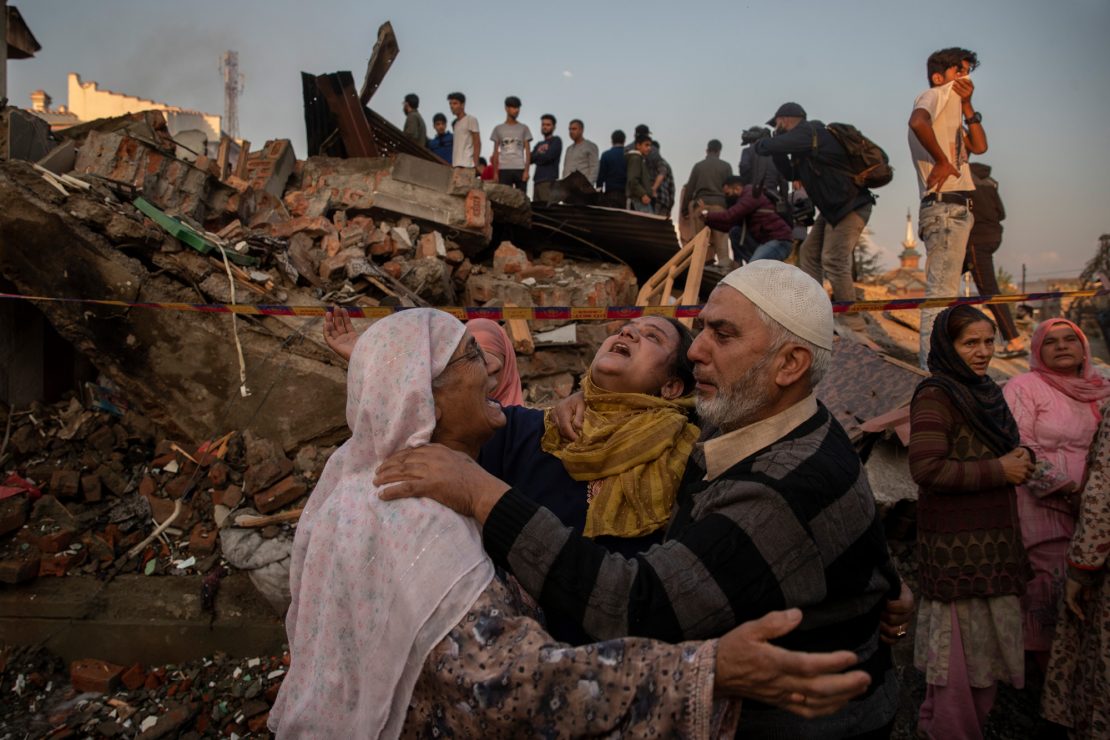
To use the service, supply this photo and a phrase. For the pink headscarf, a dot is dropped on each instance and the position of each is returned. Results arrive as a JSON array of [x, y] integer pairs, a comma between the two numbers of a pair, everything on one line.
[[493, 338], [1088, 386], [376, 584]]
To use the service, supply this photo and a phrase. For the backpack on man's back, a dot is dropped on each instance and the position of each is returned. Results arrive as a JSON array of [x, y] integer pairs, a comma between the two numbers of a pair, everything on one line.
[[868, 164]]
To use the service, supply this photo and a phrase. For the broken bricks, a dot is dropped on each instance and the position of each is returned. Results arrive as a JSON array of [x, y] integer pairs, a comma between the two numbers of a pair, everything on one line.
[[280, 494], [94, 675]]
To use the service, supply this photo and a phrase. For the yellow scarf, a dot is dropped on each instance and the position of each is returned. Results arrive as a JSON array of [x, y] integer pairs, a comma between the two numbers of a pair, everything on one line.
[[635, 446]]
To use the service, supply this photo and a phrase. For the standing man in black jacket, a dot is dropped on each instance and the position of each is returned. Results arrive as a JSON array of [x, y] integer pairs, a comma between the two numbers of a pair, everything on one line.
[[985, 238], [804, 150]]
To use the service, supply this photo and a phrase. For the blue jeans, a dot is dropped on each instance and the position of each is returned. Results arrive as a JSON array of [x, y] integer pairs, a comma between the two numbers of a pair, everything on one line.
[[944, 227], [636, 205], [776, 249]]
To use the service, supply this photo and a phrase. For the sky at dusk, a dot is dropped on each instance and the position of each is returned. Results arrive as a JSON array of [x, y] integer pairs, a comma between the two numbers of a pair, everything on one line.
[[692, 71]]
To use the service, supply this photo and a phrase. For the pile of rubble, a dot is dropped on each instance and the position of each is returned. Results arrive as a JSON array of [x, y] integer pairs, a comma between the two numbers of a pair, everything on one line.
[[216, 696], [87, 488]]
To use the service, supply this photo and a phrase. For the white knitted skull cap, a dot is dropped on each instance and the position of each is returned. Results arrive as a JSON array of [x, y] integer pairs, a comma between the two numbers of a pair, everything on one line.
[[787, 295]]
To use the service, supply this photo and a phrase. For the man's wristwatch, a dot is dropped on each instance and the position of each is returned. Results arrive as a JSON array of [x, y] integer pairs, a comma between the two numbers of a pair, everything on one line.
[[975, 117]]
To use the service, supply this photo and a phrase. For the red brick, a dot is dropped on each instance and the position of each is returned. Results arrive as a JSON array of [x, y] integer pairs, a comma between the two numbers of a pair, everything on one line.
[[478, 213], [257, 723], [176, 487], [202, 541], [90, 486], [230, 497], [147, 486], [164, 459], [133, 678], [19, 570], [551, 257], [508, 259], [60, 563], [65, 483], [539, 272], [384, 247], [462, 272], [162, 508], [428, 245], [454, 257], [217, 474], [314, 226], [94, 675], [335, 266], [53, 542], [266, 472], [393, 269], [280, 494], [13, 513]]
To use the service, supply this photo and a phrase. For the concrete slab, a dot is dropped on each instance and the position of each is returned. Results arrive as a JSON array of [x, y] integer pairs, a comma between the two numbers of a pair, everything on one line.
[[152, 620]]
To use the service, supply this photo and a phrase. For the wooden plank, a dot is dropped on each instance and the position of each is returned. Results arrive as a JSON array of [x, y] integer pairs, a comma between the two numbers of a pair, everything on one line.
[[241, 162], [381, 59], [223, 156], [521, 334]]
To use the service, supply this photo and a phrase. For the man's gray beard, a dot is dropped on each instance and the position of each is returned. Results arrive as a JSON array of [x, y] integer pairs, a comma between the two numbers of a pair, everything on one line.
[[735, 406]]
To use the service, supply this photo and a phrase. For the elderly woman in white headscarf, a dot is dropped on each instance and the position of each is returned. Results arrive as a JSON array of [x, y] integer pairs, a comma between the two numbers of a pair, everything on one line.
[[399, 625]]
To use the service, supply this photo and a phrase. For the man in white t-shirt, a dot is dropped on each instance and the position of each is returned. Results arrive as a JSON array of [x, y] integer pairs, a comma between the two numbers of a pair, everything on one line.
[[939, 144], [468, 142]]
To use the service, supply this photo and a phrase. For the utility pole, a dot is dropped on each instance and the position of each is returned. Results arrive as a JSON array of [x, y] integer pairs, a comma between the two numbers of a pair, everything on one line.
[[1023, 278], [233, 86], [3, 49]]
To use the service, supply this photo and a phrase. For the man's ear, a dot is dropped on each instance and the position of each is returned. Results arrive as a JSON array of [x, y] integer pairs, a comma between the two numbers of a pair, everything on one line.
[[672, 389], [795, 362], [936, 78]]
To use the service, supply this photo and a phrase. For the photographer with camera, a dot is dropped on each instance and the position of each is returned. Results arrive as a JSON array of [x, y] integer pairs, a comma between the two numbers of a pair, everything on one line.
[[805, 150]]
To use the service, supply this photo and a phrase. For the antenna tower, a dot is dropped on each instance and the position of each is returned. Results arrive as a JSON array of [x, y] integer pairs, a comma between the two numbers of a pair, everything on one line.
[[233, 85]]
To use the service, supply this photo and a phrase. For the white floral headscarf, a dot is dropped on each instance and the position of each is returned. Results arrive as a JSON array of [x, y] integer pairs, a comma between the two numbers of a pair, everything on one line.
[[376, 584]]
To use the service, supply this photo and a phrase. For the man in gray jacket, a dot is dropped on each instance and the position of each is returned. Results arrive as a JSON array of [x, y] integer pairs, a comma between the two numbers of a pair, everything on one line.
[[704, 191]]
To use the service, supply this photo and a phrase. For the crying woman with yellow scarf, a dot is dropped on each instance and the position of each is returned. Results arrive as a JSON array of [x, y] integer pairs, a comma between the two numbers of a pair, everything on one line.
[[636, 435]]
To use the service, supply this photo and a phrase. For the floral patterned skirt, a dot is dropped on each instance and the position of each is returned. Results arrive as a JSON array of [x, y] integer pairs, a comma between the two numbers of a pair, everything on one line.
[[1077, 684], [990, 628]]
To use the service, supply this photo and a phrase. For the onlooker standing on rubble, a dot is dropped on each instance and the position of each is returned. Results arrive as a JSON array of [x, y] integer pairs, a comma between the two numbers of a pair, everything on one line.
[[468, 141], [653, 158], [415, 130], [805, 150], [545, 156], [511, 156], [612, 174], [750, 210], [986, 236], [662, 197], [582, 154], [939, 145], [638, 183], [443, 143], [704, 193]]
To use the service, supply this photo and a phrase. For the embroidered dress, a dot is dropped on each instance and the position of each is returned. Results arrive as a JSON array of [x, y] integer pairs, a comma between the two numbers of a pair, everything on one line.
[[1077, 684]]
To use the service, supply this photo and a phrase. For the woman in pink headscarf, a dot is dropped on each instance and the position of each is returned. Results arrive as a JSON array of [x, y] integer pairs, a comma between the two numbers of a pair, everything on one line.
[[1056, 405], [500, 361]]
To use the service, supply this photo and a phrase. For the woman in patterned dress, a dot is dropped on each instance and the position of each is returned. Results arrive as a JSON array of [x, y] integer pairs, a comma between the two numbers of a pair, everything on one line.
[[1077, 684]]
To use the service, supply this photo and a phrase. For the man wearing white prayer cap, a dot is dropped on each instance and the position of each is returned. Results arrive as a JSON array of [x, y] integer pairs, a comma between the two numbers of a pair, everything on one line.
[[774, 512]]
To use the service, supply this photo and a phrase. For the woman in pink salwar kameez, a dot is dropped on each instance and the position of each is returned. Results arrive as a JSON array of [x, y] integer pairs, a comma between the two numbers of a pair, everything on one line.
[[1056, 405]]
